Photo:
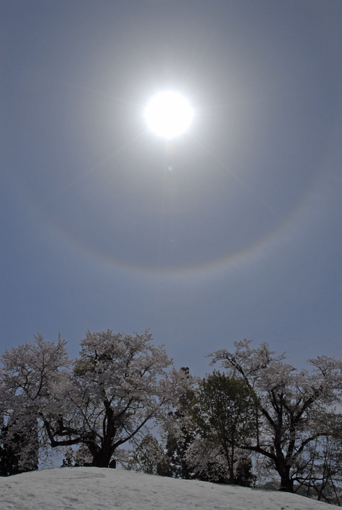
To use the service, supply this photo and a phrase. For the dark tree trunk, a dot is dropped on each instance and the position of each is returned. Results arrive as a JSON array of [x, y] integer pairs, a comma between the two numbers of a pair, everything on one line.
[[286, 483], [101, 453], [102, 458]]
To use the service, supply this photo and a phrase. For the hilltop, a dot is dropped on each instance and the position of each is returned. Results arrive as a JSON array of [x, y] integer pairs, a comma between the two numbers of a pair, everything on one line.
[[83, 488]]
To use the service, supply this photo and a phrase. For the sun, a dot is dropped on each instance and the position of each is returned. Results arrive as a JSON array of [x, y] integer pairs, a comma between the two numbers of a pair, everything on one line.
[[168, 114]]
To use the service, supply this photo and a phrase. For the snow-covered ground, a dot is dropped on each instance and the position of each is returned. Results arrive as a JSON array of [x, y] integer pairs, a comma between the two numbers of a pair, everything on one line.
[[108, 489]]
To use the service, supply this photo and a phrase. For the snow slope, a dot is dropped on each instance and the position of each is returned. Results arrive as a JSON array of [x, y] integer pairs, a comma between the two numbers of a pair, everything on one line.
[[103, 489]]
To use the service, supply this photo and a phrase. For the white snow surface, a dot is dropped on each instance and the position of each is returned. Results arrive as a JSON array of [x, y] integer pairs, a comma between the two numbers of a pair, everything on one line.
[[104, 489]]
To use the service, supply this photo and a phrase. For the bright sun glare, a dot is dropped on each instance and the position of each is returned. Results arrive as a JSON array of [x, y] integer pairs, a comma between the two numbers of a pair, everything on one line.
[[168, 114]]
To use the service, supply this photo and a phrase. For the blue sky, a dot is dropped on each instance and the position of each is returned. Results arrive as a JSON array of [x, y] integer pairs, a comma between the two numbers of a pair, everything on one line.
[[242, 239]]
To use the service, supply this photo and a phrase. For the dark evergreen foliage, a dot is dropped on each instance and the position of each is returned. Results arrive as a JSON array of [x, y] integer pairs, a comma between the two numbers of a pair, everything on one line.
[[176, 448], [11, 444]]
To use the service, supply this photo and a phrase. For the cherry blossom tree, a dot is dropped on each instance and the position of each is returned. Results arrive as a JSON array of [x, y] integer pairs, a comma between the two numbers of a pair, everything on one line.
[[105, 397], [293, 406], [28, 377], [319, 471]]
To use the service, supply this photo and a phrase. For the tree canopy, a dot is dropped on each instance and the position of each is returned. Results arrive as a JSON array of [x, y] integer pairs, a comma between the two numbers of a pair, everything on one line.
[[224, 413], [101, 400], [261, 413], [293, 406]]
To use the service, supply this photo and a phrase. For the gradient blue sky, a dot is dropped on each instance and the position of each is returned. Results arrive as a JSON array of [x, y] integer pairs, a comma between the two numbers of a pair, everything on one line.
[[242, 239]]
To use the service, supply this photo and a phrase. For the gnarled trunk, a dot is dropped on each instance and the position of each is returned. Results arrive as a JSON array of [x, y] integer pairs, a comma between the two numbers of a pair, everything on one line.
[[286, 483], [102, 457]]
